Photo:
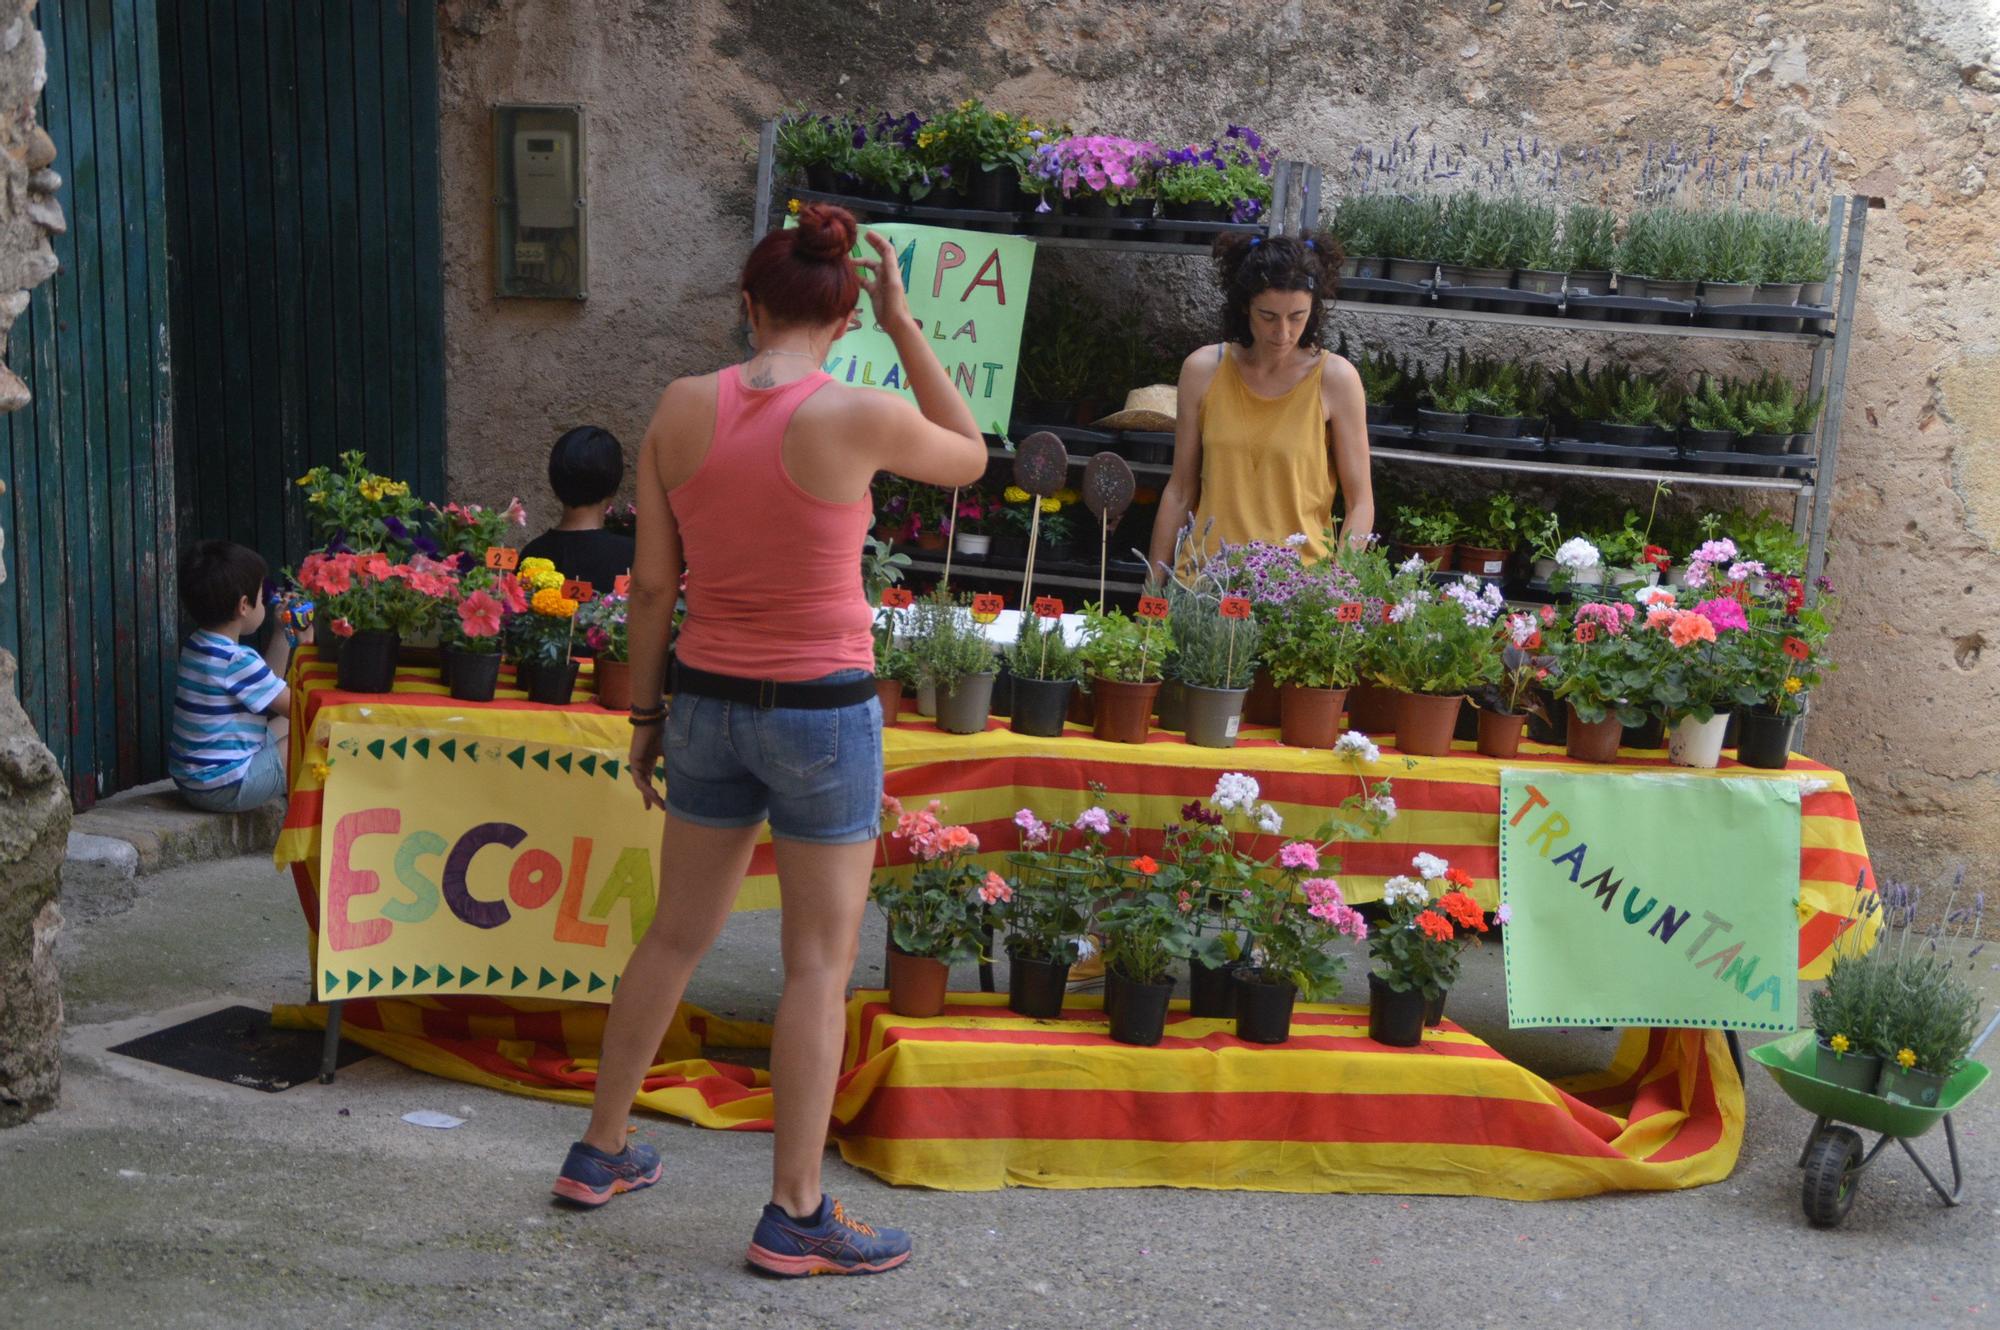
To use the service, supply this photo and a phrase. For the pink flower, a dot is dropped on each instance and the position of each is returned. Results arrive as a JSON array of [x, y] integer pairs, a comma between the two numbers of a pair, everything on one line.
[[596, 637], [892, 806], [1094, 819], [1503, 914], [1033, 830], [342, 628], [479, 615], [1299, 854], [995, 889], [1724, 612], [512, 595], [515, 513], [1741, 572]]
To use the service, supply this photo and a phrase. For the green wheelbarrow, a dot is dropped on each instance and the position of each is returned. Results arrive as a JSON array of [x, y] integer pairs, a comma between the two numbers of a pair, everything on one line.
[[1834, 1158]]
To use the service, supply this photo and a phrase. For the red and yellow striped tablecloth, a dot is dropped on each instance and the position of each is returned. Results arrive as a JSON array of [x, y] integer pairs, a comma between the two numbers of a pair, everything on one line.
[[1447, 805], [979, 1098]]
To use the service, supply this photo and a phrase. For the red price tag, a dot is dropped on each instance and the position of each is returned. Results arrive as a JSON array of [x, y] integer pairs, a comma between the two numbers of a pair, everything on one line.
[[1048, 607], [986, 606], [1351, 612], [1152, 607], [897, 598], [502, 558], [1586, 633], [622, 585], [1388, 614], [578, 590], [1235, 607], [1796, 648]]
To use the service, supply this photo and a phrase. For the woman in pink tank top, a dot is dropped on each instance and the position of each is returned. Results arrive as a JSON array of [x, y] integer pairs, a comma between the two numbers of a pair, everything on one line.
[[754, 481]]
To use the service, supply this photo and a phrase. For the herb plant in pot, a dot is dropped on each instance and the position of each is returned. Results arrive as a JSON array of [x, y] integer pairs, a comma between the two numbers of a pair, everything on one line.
[[1504, 393], [1215, 643], [1847, 1015], [1930, 1014], [1534, 251], [1125, 660], [937, 916], [1437, 647], [1447, 398], [1484, 544], [1144, 934], [1045, 669], [955, 658], [1047, 918], [1383, 381], [1587, 251], [1428, 529]]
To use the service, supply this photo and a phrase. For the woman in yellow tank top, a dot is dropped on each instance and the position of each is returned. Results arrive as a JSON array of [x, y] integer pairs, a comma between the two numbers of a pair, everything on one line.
[[1268, 427]]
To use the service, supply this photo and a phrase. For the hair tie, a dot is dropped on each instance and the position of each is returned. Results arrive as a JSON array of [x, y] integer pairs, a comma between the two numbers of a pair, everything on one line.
[[1256, 241], [1310, 245]]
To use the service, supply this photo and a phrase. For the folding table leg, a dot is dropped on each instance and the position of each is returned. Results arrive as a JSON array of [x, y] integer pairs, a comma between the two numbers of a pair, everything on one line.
[[330, 1050]]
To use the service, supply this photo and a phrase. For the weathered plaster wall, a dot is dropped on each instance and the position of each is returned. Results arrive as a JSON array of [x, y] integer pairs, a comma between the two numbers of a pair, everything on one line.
[[1906, 92]]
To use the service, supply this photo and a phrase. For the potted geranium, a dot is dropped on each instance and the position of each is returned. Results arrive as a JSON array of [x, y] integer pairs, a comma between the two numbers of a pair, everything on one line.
[[1506, 702], [1787, 651], [1045, 670], [1703, 671], [1048, 916], [1125, 660], [1416, 949], [1602, 670], [1145, 932], [1292, 923], [601, 621], [1437, 647], [372, 604], [545, 636], [939, 915]]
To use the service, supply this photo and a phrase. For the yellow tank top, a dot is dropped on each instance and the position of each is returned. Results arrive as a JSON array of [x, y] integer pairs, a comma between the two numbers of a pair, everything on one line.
[[1266, 467]]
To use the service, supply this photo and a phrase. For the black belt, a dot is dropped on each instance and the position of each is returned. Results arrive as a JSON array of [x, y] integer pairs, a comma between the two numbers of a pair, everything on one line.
[[771, 693]]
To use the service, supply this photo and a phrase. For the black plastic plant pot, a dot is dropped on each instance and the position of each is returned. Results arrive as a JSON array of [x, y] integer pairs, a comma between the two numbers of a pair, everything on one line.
[[474, 674], [1434, 1010], [1212, 993], [552, 682], [1494, 427], [1708, 440], [1764, 739], [1765, 445], [368, 662], [1263, 1009], [1549, 726], [1395, 1019], [1040, 706], [820, 176], [1138, 1012], [1440, 422], [1652, 733], [1381, 413], [1036, 988], [1628, 436], [996, 189]]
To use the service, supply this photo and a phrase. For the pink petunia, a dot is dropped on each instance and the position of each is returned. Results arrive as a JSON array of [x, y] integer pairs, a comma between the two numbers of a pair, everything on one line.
[[479, 615]]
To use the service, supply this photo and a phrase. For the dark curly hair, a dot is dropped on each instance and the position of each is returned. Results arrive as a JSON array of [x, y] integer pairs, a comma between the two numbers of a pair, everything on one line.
[[1247, 266]]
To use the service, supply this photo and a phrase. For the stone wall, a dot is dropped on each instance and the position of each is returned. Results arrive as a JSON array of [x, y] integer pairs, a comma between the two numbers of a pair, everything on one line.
[[34, 798], [1905, 91]]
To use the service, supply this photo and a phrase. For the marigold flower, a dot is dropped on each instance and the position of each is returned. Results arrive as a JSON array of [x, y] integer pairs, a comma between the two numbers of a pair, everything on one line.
[[1052, 504], [1906, 1058], [1434, 925], [1015, 494]]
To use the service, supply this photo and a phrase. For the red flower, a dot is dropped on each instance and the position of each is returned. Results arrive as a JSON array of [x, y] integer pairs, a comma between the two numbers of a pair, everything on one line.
[[1464, 910], [1435, 925], [1145, 864], [1660, 558], [1458, 877], [342, 628]]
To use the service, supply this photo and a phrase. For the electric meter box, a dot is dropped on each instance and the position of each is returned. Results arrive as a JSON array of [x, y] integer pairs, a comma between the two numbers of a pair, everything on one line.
[[541, 220]]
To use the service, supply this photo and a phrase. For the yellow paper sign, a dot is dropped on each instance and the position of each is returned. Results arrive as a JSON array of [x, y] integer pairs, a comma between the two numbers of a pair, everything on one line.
[[441, 870]]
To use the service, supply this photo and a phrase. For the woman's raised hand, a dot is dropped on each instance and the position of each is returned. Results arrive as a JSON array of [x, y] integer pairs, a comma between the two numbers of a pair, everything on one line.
[[882, 280]]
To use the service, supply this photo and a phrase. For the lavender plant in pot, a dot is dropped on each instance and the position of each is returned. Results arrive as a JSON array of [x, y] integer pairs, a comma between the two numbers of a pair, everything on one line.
[[1045, 669], [1587, 251]]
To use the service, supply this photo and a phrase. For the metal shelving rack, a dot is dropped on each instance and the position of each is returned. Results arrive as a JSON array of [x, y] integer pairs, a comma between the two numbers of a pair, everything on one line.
[[1295, 205]]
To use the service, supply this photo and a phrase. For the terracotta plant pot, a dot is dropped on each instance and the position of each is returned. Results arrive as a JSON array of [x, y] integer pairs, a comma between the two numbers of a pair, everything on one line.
[[614, 684], [1597, 742], [1310, 717], [1082, 707], [931, 540], [889, 692], [1424, 723], [1695, 743], [1500, 733], [1261, 707], [1481, 560], [1395, 1019], [1124, 710], [474, 674], [1371, 708], [916, 984], [1434, 554]]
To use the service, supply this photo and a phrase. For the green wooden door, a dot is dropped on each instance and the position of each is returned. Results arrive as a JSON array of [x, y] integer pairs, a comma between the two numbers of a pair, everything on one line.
[[88, 604], [303, 196]]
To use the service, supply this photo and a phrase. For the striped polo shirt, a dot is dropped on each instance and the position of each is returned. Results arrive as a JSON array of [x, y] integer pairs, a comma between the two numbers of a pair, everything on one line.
[[219, 701]]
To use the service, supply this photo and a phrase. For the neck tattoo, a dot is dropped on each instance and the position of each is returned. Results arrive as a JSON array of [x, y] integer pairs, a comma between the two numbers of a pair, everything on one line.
[[761, 376]]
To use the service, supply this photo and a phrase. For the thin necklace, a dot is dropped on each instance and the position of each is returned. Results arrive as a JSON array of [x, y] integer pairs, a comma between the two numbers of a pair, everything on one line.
[[780, 351]]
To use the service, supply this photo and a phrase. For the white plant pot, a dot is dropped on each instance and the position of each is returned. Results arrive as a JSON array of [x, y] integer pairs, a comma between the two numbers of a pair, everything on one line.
[[1589, 576], [1697, 743], [1632, 576], [1544, 569], [1677, 578], [974, 544], [927, 699]]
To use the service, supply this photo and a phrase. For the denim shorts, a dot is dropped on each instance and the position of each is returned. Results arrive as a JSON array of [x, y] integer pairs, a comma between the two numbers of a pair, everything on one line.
[[815, 775], [263, 780]]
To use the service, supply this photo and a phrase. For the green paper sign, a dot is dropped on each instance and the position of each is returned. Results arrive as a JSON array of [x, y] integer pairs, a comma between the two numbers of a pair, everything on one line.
[[969, 291], [1650, 900]]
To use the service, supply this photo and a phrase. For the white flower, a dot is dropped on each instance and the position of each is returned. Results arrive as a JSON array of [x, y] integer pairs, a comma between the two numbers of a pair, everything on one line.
[[1429, 867], [1384, 805], [1085, 948], [1414, 564], [1269, 821], [1503, 914], [1652, 594], [1234, 790], [1296, 539], [1356, 744], [1521, 629], [1578, 554], [1400, 890]]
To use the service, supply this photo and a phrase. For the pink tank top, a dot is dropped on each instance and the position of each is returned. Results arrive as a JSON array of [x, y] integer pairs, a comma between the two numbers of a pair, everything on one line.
[[773, 573]]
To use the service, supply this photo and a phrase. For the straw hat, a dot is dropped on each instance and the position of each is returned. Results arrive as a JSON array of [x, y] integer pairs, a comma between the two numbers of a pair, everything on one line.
[[1147, 409]]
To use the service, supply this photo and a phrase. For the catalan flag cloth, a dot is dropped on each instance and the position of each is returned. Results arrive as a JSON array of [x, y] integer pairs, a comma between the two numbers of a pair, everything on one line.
[[978, 1098]]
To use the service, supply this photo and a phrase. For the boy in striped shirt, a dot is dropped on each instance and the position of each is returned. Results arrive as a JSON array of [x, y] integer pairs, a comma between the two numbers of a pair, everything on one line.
[[227, 752]]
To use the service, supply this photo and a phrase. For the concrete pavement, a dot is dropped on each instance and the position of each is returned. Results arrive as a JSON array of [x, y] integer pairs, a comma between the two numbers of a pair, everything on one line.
[[151, 1198]]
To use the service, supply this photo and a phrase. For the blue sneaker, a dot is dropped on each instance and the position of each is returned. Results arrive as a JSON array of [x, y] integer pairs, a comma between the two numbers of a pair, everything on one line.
[[829, 1243], [591, 1177]]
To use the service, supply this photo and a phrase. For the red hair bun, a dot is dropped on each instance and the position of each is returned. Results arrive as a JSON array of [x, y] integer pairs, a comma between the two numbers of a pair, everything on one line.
[[825, 233]]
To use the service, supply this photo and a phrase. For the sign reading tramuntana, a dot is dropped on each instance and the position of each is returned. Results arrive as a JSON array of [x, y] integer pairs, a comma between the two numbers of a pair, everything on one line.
[[1648, 899]]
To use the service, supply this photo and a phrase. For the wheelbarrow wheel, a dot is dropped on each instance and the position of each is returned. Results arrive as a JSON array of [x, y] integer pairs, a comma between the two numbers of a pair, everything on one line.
[[1833, 1164]]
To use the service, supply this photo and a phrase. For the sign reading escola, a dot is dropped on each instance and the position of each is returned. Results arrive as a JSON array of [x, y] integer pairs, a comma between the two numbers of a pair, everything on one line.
[[1650, 900]]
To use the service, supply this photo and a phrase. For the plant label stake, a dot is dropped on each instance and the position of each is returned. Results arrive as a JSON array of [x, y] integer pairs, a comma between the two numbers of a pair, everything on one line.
[[1046, 607], [621, 585], [1041, 465], [502, 559], [1235, 609], [578, 590], [951, 537], [1152, 609], [1107, 491], [986, 607]]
